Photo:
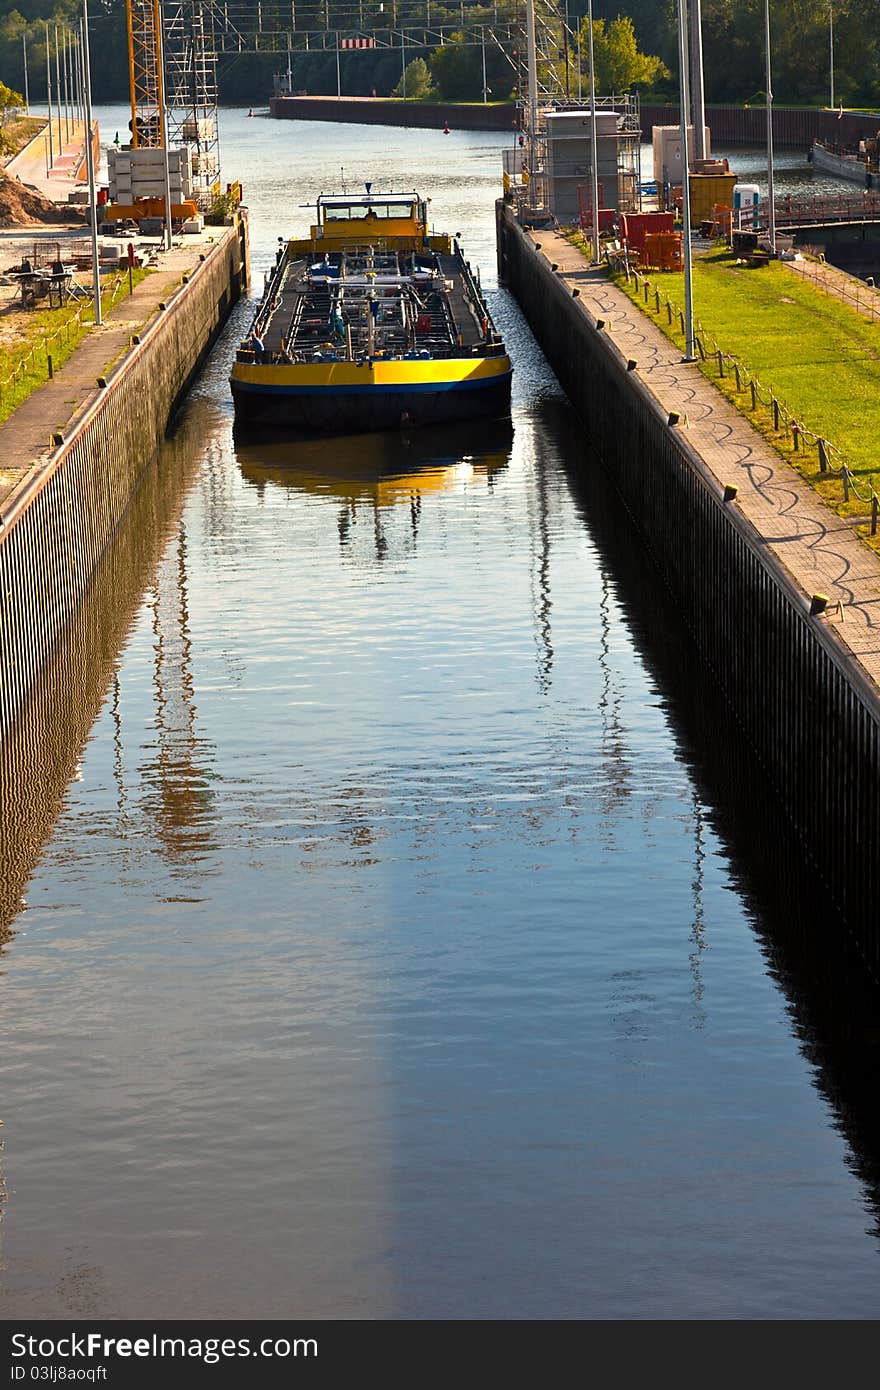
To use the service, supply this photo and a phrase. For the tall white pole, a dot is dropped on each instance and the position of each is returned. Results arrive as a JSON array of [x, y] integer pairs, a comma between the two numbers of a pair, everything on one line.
[[163, 122], [698, 102], [771, 200], [90, 164], [338, 76], [59, 95], [831, 46], [684, 101], [483, 45], [594, 142], [532, 60], [27, 104], [49, 98], [68, 86]]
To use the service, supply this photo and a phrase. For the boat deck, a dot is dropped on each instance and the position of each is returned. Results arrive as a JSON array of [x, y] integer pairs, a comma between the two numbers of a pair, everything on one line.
[[369, 302]]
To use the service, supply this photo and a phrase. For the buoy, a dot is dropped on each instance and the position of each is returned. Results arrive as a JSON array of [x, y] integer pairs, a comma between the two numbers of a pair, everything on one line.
[[251, 111], [446, 130]]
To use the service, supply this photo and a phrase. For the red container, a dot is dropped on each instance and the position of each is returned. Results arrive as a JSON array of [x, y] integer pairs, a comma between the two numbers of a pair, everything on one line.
[[635, 226]]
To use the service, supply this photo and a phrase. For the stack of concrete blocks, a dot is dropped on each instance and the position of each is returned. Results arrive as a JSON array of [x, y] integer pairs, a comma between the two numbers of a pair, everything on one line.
[[141, 174], [569, 161]]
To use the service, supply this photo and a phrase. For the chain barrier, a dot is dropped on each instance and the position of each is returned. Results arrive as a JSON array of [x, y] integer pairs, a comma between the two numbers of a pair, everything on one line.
[[77, 320], [831, 460]]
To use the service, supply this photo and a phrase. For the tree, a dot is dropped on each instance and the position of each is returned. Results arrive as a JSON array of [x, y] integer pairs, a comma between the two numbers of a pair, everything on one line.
[[619, 64], [415, 82]]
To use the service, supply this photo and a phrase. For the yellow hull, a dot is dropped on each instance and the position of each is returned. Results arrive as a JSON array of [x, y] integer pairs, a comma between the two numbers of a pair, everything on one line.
[[377, 395]]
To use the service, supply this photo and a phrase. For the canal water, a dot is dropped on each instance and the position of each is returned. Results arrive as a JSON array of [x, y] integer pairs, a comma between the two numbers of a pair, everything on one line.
[[396, 928]]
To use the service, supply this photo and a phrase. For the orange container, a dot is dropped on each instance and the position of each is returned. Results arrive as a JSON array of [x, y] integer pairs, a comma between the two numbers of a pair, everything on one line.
[[662, 251]]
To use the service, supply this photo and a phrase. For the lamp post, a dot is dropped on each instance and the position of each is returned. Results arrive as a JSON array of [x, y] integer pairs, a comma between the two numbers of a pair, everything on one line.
[[770, 191], [685, 104], [697, 94], [51, 153], [90, 163], [594, 142], [831, 47], [532, 59], [163, 122]]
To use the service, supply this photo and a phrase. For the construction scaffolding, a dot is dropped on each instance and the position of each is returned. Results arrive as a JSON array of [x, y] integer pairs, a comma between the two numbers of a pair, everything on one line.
[[187, 87], [191, 81]]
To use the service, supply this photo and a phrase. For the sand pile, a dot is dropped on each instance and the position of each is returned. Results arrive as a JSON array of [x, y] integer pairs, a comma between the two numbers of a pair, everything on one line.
[[21, 206]]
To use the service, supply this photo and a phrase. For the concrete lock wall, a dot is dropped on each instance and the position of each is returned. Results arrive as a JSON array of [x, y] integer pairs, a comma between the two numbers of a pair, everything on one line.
[[58, 524], [797, 697]]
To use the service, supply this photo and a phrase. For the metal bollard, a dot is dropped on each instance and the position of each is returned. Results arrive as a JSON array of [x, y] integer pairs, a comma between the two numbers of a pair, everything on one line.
[[823, 456], [720, 356], [775, 405], [796, 435], [845, 476], [754, 390], [736, 374], [873, 513], [50, 367]]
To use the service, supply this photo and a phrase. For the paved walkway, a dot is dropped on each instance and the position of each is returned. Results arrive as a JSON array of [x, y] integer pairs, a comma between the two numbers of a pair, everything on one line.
[[819, 549], [26, 436], [30, 164]]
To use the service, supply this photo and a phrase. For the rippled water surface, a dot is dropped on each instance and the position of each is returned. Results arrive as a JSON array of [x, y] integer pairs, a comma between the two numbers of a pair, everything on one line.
[[398, 950]]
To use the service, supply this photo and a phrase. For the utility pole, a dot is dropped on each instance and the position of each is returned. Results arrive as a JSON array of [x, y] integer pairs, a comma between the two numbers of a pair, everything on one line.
[[831, 46], [685, 104], [90, 165], [532, 59], [163, 119], [594, 142], [27, 104], [59, 95], [698, 103], [771, 199], [49, 99], [68, 87]]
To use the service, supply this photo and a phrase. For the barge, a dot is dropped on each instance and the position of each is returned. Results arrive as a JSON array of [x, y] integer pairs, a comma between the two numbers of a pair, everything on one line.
[[370, 323], [845, 164]]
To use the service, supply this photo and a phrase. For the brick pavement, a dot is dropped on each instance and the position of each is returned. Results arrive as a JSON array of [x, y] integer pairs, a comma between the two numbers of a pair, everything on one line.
[[819, 550]]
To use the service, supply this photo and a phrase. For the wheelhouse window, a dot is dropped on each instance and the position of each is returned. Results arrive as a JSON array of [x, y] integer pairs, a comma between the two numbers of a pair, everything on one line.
[[362, 212]]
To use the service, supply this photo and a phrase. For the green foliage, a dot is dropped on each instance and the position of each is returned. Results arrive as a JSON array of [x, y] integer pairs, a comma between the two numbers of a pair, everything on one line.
[[619, 64], [222, 207], [9, 101], [457, 71], [415, 84], [638, 43]]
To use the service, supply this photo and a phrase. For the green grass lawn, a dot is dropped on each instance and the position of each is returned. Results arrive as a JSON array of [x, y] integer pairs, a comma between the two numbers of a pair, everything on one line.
[[52, 333], [819, 356]]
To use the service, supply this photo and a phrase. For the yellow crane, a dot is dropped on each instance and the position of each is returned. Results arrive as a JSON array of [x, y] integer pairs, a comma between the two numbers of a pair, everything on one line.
[[145, 72]]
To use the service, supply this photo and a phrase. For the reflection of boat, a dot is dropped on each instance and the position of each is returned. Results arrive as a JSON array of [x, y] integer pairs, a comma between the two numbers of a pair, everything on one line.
[[371, 323], [859, 167], [380, 469]]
